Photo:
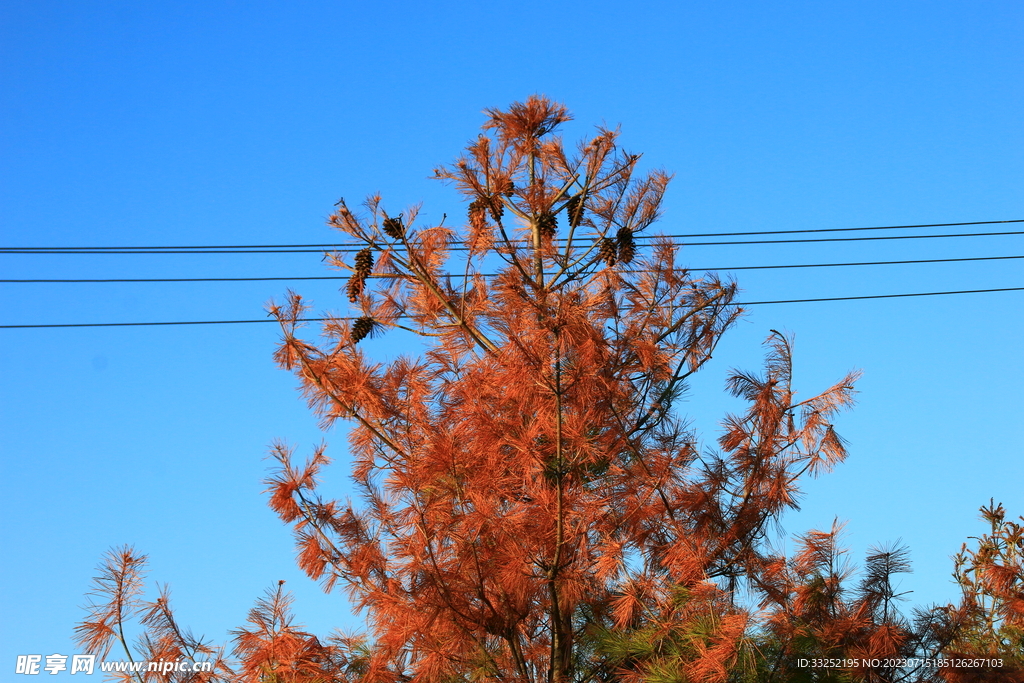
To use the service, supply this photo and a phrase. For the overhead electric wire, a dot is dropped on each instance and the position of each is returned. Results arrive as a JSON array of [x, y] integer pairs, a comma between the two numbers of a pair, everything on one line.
[[345, 247], [877, 227], [456, 275], [190, 279], [686, 244], [311, 320]]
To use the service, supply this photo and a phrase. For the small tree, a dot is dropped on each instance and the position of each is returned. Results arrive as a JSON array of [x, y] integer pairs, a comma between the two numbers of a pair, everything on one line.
[[811, 615], [987, 625], [533, 508]]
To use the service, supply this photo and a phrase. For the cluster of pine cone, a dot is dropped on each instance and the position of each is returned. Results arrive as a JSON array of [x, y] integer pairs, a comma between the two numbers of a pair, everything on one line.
[[547, 222], [479, 206], [356, 283], [622, 249], [483, 204]]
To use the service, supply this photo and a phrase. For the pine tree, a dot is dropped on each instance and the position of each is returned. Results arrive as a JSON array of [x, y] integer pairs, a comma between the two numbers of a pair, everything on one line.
[[533, 506]]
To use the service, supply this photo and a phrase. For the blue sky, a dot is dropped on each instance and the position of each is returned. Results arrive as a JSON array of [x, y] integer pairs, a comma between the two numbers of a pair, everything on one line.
[[242, 123]]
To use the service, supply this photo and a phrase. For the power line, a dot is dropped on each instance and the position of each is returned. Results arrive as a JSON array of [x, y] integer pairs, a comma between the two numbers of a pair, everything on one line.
[[877, 227], [692, 269], [345, 247], [200, 279], [878, 296], [313, 320], [687, 244]]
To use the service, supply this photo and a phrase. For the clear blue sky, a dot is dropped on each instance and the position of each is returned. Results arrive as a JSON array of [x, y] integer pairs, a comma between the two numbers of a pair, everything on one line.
[[128, 123]]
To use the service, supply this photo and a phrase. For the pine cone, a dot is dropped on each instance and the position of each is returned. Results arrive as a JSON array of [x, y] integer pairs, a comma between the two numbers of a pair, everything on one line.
[[607, 252], [477, 213], [364, 263], [362, 328], [627, 247], [547, 223], [393, 228], [509, 188], [574, 207], [354, 288]]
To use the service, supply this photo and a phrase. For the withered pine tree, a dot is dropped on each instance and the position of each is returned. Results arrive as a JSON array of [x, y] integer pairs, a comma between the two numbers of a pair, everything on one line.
[[533, 508]]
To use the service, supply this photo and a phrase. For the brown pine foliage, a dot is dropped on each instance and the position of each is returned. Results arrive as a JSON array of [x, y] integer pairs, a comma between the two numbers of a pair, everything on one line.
[[117, 600], [114, 599], [274, 650]]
